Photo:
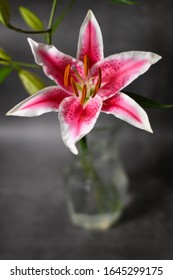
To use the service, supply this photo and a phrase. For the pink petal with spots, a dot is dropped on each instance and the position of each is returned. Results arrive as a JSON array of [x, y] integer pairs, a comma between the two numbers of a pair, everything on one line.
[[44, 101], [120, 70], [77, 120], [54, 62], [126, 109], [90, 40]]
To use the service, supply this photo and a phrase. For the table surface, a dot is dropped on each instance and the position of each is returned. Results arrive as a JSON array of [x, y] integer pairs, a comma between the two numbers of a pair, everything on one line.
[[34, 223]]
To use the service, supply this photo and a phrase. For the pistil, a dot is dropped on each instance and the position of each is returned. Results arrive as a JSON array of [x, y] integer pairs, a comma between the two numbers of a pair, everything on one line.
[[77, 74]]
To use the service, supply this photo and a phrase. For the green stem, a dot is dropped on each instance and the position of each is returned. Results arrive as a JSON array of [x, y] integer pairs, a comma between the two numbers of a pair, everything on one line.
[[62, 16], [48, 30], [29, 65], [83, 144], [10, 26], [17, 64], [52, 14]]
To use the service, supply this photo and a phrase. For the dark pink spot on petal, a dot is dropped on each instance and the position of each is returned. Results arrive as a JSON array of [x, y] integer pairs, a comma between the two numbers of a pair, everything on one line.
[[117, 73], [54, 64], [78, 118]]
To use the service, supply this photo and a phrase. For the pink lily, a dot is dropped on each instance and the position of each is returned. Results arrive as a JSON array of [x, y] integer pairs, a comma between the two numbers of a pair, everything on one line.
[[87, 85]]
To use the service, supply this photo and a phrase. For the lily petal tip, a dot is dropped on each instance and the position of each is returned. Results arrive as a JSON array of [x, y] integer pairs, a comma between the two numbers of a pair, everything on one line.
[[155, 57], [32, 43], [30, 40], [73, 149], [90, 15], [148, 128], [10, 113]]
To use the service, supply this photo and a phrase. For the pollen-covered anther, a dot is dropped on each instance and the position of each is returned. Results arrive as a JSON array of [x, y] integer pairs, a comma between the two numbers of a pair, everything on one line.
[[84, 92], [74, 87], [98, 84], [86, 65], [66, 75]]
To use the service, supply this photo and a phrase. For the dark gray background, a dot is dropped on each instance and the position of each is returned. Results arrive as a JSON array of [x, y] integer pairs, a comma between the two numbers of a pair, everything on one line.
[[34, 223]]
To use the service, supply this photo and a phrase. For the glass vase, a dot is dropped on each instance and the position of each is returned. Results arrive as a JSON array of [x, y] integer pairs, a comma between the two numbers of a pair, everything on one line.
[[96, 182]]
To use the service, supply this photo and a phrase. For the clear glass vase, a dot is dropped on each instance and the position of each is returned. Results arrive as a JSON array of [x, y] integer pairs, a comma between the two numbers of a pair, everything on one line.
[[96, 182]]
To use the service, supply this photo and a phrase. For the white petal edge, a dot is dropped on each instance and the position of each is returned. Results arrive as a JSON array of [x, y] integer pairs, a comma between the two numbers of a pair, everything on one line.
[[16, 111], [90, 16], [35, 46], [145, 125], [150, 56]]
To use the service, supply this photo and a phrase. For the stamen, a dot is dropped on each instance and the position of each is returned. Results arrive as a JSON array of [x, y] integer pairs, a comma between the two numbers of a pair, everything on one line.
[[74, 87], [84, 91], [86, 65], [66, 75], [77, 74], [98, 84]]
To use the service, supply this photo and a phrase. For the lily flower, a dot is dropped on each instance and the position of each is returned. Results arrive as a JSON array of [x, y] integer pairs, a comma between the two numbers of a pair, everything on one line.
[[87, 85]]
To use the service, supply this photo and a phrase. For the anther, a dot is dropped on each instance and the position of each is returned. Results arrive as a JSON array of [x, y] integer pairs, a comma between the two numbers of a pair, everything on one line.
[[86, 65], [98, 84], [66, 75], [84, 92], [74, 87]]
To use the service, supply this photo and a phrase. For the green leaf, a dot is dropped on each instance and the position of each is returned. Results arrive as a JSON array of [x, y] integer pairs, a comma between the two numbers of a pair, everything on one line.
[[31, 82], [4, 12], [129, 2], [147, 102], [64, 13], [4, 57], [31, 19], [4, 73]]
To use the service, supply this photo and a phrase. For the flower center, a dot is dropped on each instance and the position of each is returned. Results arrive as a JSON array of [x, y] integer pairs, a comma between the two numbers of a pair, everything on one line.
[[84, 88]]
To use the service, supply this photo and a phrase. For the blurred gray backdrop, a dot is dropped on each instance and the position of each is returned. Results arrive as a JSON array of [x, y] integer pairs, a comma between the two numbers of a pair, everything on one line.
[[34, 222]]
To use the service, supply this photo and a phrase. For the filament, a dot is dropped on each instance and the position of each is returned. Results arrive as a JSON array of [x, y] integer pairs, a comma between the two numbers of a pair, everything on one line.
[[84, 91], [98, 84], [74, 87]]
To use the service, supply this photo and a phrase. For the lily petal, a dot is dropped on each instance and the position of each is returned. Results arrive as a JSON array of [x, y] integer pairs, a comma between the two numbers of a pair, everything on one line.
[[126, 109], [44, 101], [120, 70], [55, 62], [77, 120], [90, 41]]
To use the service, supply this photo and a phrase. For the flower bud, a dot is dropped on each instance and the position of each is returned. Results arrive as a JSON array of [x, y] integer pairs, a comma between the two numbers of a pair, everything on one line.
[[4, 12], [31, 82], [31, 19], [4, 55]]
